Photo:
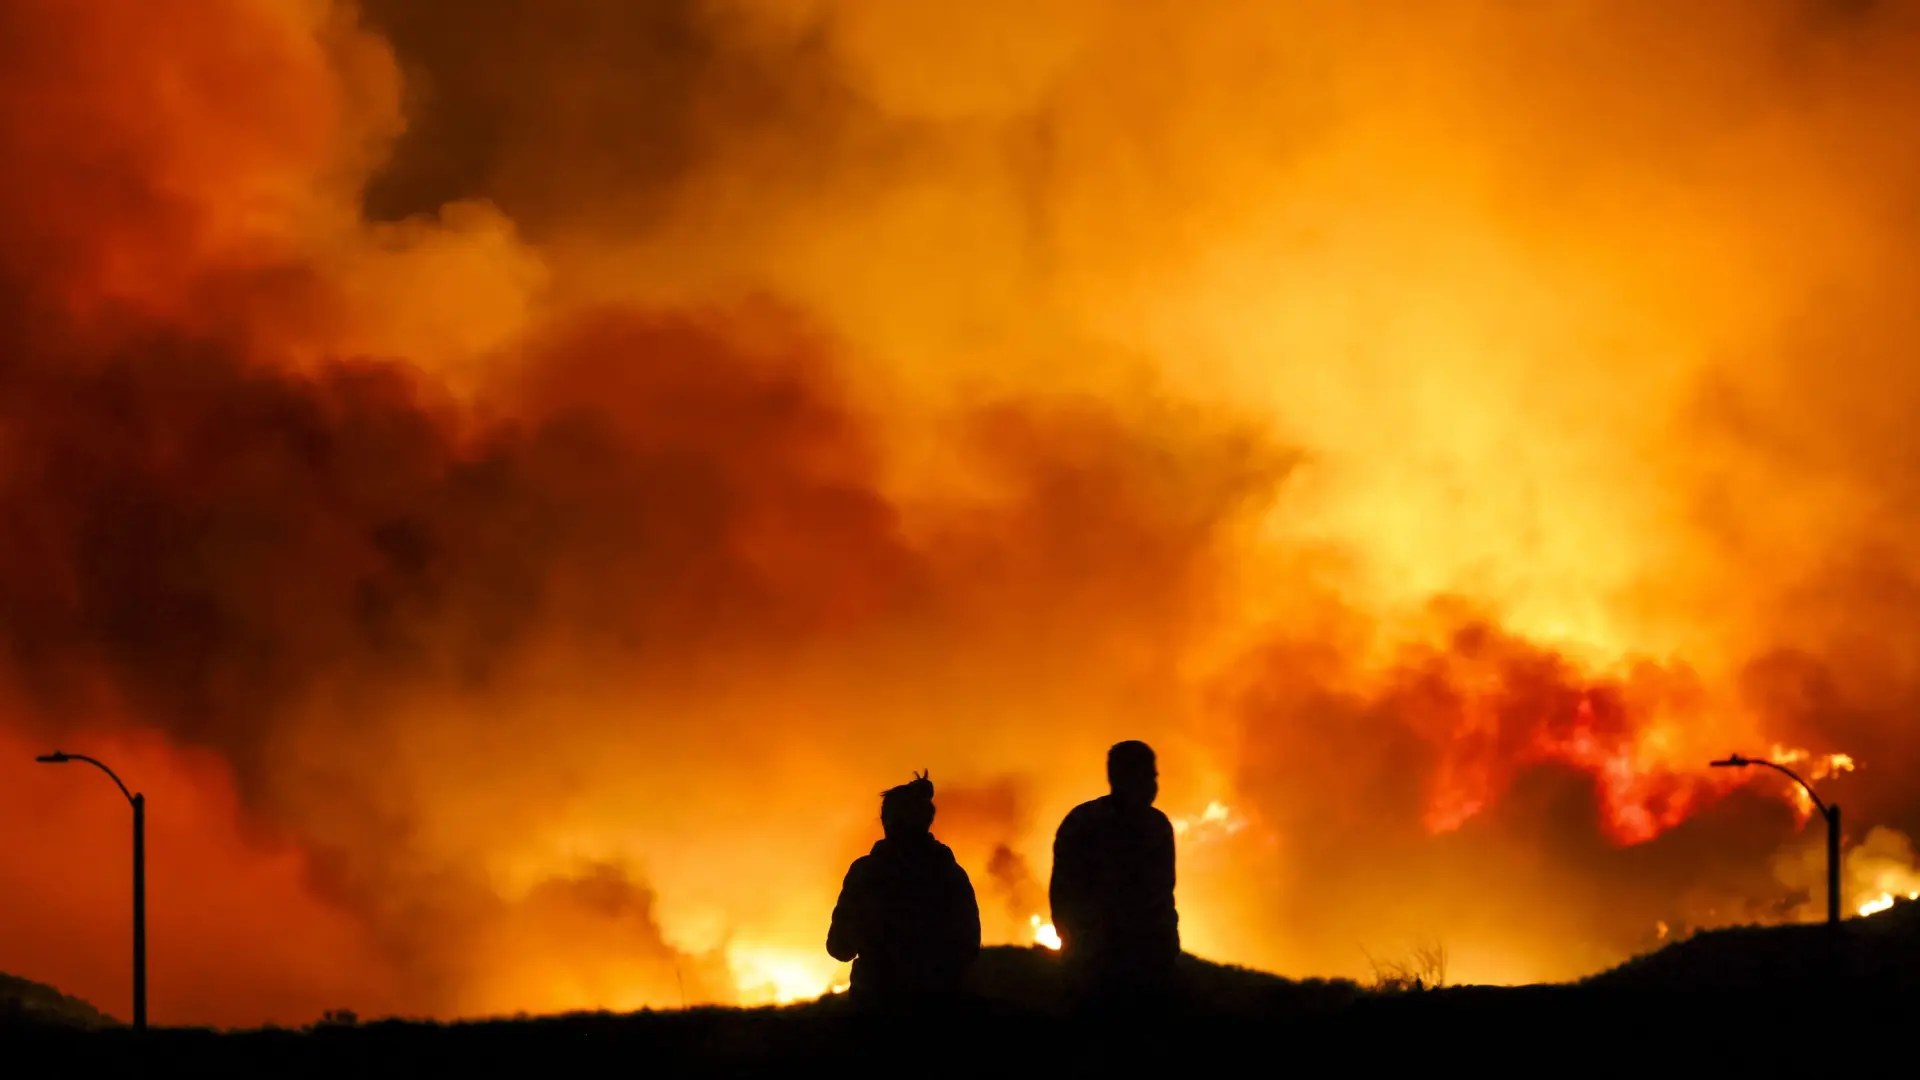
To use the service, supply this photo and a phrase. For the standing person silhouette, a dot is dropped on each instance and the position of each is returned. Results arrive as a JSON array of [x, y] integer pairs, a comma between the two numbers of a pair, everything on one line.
[[1112, 888], [907, 916]]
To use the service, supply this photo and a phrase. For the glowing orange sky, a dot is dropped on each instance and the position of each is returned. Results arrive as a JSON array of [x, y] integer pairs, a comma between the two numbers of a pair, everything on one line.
[[513, 481]]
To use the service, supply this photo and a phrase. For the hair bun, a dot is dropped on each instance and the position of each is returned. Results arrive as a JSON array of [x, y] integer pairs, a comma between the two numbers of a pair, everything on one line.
[[919, 789]]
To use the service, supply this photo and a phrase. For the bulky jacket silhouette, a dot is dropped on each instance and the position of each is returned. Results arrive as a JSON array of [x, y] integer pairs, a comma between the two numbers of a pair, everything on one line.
[[907, 916], [1113, 878]]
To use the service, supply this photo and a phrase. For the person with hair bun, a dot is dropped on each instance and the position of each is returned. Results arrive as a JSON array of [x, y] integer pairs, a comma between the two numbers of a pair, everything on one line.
[[907, 916]]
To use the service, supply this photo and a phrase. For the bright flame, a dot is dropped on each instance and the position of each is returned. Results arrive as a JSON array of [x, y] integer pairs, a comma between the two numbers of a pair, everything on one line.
[[1044, 933], [1884, 901], [1824, 767], [769, 976], [1216, 817]]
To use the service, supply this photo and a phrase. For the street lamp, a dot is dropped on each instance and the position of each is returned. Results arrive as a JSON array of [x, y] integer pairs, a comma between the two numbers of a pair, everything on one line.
[[139, 881], [1831, 813]]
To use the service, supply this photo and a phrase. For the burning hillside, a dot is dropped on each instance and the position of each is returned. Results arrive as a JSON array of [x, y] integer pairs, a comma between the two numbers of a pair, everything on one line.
[[513, 481]]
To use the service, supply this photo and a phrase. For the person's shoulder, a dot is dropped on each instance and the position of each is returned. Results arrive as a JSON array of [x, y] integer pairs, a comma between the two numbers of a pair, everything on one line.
[[1085, 812], [1161, 822], [950, 860], [861, 867]]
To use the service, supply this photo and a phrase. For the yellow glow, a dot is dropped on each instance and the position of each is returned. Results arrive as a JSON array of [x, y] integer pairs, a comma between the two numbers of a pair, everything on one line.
[[1215, 819], [775, 976], [1044, 933]]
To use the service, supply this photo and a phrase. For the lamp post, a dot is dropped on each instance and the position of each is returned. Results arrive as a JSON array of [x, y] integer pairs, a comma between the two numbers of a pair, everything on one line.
[[1831, 813], [139, 881]]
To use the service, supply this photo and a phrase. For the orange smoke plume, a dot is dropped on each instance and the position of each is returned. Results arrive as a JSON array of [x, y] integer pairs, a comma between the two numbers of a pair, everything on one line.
[[510, 481]]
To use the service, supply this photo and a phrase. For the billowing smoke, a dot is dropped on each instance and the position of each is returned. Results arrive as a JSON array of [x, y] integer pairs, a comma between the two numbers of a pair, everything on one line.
[[512, 481]]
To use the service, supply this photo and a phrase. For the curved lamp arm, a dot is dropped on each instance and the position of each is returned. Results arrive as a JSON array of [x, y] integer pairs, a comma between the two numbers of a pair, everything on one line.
[[1735, 761], [59, 758]]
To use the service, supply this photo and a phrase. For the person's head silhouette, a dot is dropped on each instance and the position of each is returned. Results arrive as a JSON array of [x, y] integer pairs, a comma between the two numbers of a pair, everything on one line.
[[1132, 772], [906, 811]]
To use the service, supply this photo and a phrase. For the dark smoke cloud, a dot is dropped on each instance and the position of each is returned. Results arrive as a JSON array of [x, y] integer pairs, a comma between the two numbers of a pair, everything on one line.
[[446, 557], [637, 100], [224, 547]]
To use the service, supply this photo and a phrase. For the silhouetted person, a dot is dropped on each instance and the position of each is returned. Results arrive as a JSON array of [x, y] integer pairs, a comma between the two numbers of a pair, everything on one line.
[[1112, 888], [907, 916]]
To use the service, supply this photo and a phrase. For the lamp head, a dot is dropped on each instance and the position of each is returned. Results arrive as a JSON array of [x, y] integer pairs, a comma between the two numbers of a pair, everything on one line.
[[55, 758], [1733, 761]]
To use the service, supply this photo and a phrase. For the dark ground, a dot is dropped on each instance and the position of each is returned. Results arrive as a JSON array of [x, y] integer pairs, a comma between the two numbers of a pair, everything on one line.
[[1760, 1001]]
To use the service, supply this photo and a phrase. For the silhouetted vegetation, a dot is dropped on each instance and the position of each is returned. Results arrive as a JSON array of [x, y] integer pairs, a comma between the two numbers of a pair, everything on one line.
[[1423, 968]]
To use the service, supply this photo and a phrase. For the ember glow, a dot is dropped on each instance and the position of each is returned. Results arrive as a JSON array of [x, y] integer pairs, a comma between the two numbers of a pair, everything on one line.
[[512, 488]]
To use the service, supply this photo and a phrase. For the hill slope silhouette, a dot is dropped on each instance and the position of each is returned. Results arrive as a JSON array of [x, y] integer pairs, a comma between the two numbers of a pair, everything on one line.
[[1755, 996], [1030, 978], [1877, 954], [27, 1004]]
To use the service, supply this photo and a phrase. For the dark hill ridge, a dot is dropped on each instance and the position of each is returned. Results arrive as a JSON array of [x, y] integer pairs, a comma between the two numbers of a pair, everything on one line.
[[1028, 977], [1739, 997], [1013, 1023], [1010, 977], [27, 1003], [1879, 953]]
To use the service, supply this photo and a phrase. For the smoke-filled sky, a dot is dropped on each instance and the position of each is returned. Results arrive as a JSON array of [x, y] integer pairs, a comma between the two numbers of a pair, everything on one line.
[[511, 481]]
